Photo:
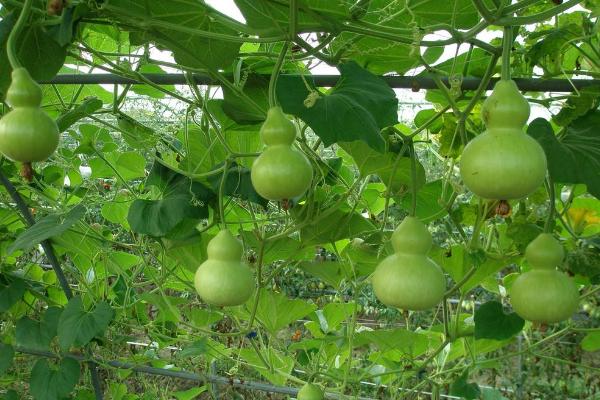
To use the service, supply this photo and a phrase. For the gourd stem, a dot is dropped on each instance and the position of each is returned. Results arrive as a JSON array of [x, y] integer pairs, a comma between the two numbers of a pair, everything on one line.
[[507, 42], [222, 193], [11, 45], [275, 75], [413, 178], [552, 211]]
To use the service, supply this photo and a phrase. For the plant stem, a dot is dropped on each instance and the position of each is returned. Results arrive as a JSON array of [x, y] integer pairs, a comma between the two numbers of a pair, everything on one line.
[[11, 44], [275, 75], [507, 41], [413, 178], [552, 198]]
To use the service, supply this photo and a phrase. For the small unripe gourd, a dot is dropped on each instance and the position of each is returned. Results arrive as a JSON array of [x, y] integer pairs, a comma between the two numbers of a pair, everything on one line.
[[310, 391], [504, 162], [544, 294], [280, 172], [223, 279], [408, 279], [27, 133]]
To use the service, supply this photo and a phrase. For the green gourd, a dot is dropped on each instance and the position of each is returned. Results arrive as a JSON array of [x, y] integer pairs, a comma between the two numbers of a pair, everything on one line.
[[408, 279], [280, 172], [223, 279], [504, 162], [27, 133], [544, 294], [310, 391]]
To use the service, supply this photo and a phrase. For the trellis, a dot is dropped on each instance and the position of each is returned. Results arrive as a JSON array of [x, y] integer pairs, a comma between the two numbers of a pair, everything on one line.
[[395, 81], [414, 83]]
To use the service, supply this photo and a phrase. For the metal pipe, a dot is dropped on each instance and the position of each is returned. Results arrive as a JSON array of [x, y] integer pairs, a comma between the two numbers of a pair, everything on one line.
[[185, 375], [394, 81]]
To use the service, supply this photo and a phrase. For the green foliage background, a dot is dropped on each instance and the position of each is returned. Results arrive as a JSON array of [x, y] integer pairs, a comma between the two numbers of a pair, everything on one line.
[[146, 174]]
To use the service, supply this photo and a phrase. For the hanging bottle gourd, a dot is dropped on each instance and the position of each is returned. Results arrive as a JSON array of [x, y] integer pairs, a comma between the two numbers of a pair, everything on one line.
[[310, 391], [408, 279], [544, 294], [504, 162], [280, 172], [223, 279], [27, 133]]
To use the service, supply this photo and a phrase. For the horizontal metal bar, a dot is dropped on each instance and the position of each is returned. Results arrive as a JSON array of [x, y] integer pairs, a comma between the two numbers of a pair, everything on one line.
[[185, 375], [394, 81]]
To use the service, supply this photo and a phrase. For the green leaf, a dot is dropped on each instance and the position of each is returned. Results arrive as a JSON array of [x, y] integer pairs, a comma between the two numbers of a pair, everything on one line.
[[492, 323], [77, 327], [47, 227], [197, 348], [335, 224], [162, 25], [283, 248], [282, 364], [92, 138], [333, 314], [86, 108], [461, 388], [124, 165], [387, 166], [38, 335], [6, 357], [381, 56], [431, 201], [11, 395], [135, 134], [36, 49], [395, 340], [48, 383], [461, 14], [591, 341], [190, 393], [357, 108], [425, 115], [548, 53], [167, 306], [237, 184], [576, 157], [577, 105], [116, 210], [181, 200], [332, 273], [275, 311], [267, 18], [239, 109], [11, 293], [151, 91], [475, 64]]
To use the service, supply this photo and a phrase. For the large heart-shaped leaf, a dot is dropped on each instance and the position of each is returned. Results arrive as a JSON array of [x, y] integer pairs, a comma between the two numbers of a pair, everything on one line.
[[53, 383], [357, 108], [47, 227], [181, 200], [492, 323], [173, 25], [575, 158], [77, 326]]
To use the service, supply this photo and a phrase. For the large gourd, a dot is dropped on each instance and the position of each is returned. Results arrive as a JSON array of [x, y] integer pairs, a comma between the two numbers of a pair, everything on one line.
[[223, 279], [503, 163], [544, 294], [27, 133], [280, 172], [408, 279]]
